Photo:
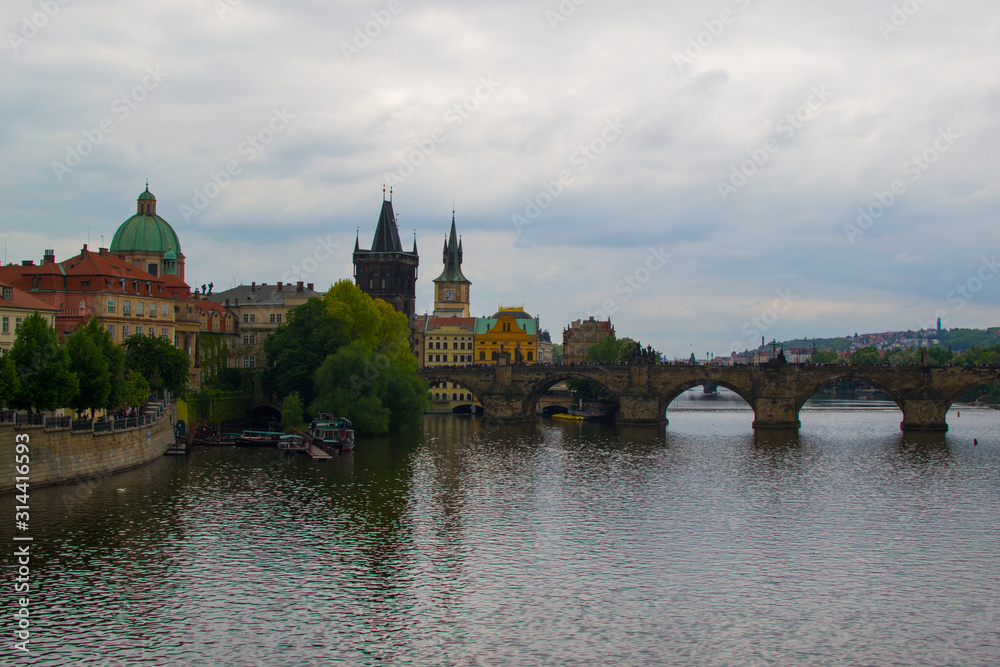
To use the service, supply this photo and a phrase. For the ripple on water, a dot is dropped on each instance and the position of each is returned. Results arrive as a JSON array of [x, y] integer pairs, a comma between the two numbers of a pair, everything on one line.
[[699, 544]]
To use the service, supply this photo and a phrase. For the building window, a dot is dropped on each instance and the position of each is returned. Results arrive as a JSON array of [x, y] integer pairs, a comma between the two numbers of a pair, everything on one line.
[[111, 305], [165, 312], [17, 323], [152, 310], [152, 333], [249, 339], [454, 358], [126, 308], [249, 361], [6, 325], [482, 356], [165, 333], [272, 318], [279, 318], [140, 309], [125, 331], [529, 356], [249, 318], [138, 330]]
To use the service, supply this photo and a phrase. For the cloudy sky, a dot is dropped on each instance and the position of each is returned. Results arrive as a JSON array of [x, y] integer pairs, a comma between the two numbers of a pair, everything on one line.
[[706, 173]]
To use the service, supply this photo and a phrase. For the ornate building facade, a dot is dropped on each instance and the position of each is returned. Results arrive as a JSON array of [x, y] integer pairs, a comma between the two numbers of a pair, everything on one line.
[[451, 288], [387, 271]]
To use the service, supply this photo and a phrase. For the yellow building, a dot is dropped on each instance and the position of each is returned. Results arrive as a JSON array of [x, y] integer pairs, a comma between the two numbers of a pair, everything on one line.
[[510, 330], [445, 341]]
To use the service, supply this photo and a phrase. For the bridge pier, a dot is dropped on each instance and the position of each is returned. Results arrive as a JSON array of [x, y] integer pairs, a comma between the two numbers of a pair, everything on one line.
[[776, 412], [504, 406], [923, 414], [640, 410]]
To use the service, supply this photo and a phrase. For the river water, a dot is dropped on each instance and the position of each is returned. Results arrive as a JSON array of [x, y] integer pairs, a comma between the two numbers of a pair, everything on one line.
[[542, 544]]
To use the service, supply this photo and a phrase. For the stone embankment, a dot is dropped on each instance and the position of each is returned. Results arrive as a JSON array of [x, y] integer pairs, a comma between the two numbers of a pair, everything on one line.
[[61, 452]]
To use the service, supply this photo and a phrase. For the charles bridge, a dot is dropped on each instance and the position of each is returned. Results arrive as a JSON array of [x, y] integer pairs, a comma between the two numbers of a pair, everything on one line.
[[776, 392]]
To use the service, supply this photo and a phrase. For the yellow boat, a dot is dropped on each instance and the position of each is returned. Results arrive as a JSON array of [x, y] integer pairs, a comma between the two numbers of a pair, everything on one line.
[[567, 416]]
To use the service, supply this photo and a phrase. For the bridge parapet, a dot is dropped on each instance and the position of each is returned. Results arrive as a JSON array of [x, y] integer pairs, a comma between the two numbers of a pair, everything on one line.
[[776, 393]]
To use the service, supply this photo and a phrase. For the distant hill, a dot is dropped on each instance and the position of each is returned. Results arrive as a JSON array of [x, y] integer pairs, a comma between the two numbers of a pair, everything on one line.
[[959, 340]]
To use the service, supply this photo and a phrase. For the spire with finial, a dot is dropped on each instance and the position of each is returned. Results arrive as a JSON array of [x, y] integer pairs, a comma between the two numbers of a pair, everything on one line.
[[383, 192]]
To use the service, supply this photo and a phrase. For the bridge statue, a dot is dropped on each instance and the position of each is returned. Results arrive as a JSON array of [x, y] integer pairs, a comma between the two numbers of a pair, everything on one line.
[[775, 391]]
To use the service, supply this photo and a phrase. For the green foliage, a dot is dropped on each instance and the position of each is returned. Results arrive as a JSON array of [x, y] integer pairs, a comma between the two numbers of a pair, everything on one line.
[[824, 357], [9, 382], [134, 389], [291, 412], [300, 346], [115, 357], [87, 362], [212, 406], [605, 350], [588, 390], [358, 312], [865, 356], [371, 390], [46, 381], [557, 353], [627, 348], [156, 359]]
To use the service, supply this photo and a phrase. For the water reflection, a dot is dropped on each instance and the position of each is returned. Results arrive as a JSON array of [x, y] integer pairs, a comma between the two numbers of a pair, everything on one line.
[[463, 542]]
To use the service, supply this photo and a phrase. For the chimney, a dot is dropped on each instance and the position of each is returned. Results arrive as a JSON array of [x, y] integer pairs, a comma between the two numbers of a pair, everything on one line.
[[103, 252], [309, 287], [84, 248], [279, 285], [227, 302], [49, 257], [237, 302], [298, 286], [253, 287], [27, 262]]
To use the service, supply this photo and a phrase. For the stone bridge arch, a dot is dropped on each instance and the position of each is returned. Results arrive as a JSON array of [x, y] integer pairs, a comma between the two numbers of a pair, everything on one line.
[[669, 394], [536, 390], [847, 374], [433, 375]]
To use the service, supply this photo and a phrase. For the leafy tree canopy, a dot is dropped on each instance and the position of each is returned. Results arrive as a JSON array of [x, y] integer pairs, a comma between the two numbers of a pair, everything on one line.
[[605, 350], [300, 346], [9, 382], [865, 356], [825, 357], [43, 367], [93, 375], [156, 359]]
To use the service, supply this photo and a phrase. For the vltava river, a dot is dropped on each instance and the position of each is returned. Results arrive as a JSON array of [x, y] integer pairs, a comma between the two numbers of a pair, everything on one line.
[[542, 544]]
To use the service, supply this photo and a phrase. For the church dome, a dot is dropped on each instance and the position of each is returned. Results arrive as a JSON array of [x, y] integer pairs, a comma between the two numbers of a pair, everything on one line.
[[516, 313], [145, 231]]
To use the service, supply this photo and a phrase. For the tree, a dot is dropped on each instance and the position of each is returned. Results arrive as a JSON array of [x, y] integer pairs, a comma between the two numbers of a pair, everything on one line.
[[115, 357], [88, 363], [299, 346], [376, 394], [9, 382], [163, 365], [605, 350], [46, 381], [825, 357], [291, 412], [865, 356], [362, 321], [557, 353], [134, 389]]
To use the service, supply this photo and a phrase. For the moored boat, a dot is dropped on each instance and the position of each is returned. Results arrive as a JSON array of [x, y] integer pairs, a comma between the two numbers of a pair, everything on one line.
[[259, 438], [331, 433]]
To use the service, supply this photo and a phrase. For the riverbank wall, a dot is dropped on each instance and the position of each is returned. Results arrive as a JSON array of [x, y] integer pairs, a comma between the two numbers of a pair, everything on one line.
[[61, 455]]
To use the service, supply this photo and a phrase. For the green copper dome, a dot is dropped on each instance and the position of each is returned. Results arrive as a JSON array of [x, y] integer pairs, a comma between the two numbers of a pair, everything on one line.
[[145, 231]]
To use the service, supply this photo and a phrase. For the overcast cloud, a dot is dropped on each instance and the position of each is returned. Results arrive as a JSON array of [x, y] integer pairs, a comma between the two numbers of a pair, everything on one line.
[[587, 147]]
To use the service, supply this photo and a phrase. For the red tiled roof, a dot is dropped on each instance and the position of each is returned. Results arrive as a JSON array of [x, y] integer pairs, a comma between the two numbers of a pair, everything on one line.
[[21, 299]]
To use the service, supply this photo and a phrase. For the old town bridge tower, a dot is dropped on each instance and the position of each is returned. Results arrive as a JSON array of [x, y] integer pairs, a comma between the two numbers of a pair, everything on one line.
[[387, 271]]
